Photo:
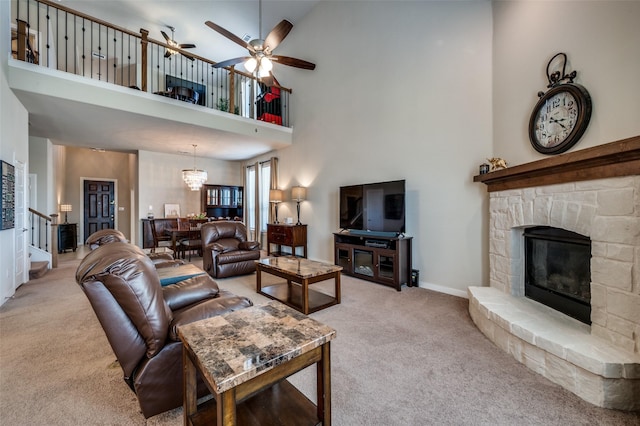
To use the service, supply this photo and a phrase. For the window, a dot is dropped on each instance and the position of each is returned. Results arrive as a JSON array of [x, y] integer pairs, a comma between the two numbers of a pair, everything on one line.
[[264, 184]]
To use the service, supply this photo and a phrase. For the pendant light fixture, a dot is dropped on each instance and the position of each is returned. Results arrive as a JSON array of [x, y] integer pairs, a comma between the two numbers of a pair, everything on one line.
[[194, 178]]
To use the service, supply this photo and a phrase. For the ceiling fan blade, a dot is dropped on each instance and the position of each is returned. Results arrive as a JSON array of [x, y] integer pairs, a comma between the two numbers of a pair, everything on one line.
[[293, 62], [189, 57], [187, 46], [230, 62], [167, 54], [277, 34], [166, 37], [234, 38]]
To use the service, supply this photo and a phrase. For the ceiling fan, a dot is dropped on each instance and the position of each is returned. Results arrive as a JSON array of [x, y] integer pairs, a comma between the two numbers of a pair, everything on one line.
[[261, 57], [171, 42]]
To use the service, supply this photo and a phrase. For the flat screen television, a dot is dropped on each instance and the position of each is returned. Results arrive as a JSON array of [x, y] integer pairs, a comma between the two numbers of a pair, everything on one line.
[[373, 208]]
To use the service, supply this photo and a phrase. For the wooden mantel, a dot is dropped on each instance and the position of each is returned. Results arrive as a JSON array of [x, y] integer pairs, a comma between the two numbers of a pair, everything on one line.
[[621, 158]]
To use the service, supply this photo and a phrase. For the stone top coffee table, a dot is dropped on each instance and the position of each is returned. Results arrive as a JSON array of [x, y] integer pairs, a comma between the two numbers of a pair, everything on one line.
[[243, 356], [300, 273]]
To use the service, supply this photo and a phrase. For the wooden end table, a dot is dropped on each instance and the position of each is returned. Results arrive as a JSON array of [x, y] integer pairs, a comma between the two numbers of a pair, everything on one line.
[[300, 273], [243, 357]]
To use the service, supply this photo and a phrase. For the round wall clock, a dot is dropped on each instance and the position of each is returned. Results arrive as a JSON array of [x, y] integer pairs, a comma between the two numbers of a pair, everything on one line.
[[561, 116]]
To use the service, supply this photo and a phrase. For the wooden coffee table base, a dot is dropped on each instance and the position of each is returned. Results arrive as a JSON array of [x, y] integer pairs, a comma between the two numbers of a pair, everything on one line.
[[296, 293]]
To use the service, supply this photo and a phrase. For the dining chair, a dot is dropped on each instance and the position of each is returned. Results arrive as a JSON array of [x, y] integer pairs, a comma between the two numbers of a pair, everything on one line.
[[159, 241], [193, 242]]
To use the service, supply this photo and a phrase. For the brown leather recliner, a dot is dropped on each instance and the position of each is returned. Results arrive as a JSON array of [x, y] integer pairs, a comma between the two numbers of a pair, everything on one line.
[[106, 236], [141, 318], [226, 251]]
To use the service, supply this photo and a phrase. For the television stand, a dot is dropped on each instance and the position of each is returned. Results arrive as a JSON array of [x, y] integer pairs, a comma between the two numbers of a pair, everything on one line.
[[382, 259]]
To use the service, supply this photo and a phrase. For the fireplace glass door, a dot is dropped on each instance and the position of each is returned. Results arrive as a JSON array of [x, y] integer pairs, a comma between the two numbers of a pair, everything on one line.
[[558, 270]]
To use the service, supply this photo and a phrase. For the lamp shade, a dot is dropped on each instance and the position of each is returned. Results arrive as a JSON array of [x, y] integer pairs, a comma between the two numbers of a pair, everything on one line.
[[298, 193], [275, 195], [66, 208], [251, 64]]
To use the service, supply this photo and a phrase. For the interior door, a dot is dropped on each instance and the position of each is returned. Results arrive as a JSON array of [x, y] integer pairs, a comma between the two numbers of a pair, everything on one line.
[[99, 206], [22, 260]]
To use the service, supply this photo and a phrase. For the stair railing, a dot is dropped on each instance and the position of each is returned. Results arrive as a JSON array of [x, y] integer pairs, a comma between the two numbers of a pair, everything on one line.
[[43, 233]]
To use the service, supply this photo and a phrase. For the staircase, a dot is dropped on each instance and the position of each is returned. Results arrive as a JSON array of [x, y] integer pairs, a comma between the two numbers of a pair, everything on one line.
[[38, 269], [43, 239]]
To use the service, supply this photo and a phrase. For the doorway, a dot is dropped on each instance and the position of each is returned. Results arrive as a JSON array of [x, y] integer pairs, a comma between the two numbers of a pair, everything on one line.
[[99, 206]]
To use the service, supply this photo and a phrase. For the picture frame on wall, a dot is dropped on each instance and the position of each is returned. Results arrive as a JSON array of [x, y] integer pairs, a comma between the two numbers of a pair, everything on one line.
[[171, 210], [7, 194]]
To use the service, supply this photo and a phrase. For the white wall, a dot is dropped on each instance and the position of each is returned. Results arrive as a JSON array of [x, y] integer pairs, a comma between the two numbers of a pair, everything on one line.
[[13, 148], [41, 164], [402, 90], [602, 42]]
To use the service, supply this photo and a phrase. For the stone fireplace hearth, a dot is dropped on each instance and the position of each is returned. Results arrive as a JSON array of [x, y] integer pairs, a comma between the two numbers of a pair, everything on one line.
[[596, 193]]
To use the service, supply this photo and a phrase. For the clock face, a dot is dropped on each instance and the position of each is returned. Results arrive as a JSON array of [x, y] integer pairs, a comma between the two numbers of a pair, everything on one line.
[[556, 119], [560, 118]]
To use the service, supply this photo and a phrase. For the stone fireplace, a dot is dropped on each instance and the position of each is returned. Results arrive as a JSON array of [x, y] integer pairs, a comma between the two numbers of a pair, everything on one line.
[[595, 193]]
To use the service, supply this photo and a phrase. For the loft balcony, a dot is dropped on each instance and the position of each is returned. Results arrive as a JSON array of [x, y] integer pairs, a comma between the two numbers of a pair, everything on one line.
[[90, 83]]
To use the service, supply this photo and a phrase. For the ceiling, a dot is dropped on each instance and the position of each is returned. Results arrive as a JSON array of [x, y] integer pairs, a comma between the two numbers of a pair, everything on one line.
[[66, 122]]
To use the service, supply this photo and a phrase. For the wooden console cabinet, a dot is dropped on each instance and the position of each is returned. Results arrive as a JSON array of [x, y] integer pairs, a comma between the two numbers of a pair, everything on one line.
[[67, 237], [285, 235], [384, 260]]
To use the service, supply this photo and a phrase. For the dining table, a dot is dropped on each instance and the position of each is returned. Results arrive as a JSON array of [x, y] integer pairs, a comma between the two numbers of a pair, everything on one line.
[[176, 234]]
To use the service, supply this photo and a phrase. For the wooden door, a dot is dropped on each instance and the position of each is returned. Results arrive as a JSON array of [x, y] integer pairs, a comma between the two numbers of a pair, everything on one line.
[[99, 206]]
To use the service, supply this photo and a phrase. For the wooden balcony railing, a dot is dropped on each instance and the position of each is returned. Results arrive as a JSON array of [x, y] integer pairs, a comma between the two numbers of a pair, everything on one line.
[[54, 36]]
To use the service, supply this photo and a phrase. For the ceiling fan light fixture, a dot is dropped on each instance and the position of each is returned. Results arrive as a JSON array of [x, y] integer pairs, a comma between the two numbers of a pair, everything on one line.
[[266, 65], [251, 64]]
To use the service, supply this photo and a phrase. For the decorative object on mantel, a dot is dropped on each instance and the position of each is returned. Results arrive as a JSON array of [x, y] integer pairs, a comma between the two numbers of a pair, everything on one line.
[[298, 194], [194, 178], [66, 208], [497, 163], [275, 197], [562, 114], [484, 168]]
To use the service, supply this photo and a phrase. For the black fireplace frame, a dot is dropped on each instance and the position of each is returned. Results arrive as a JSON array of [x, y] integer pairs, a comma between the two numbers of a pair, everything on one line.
[[561, 302]]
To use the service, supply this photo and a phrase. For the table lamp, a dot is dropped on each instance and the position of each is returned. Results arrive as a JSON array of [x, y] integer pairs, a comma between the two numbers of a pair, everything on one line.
[[275, 197], [66, 208], [298, 194]]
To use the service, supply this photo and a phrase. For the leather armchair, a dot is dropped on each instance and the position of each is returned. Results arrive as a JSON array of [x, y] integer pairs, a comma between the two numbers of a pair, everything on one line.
[[226, 251], [141, 319]]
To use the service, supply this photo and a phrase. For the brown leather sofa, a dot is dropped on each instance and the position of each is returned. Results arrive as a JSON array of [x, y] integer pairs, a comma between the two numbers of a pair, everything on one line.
[[226, 251], [141, 319]]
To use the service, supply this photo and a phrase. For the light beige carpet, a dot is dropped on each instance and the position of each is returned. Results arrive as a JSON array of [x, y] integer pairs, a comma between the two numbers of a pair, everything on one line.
[[400, 358]]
